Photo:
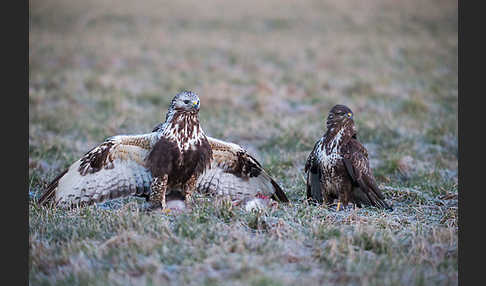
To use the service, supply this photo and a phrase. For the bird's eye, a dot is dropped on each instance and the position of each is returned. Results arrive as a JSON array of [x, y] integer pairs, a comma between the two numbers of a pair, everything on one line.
[[186, 101]]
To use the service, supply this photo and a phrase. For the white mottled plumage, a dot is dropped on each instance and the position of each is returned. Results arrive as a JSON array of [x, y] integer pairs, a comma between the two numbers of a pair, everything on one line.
[[330, 154], [123, 175], [192, 141]]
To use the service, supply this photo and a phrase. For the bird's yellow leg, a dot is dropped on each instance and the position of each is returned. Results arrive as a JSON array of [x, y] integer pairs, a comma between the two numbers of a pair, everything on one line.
[[338, 206]]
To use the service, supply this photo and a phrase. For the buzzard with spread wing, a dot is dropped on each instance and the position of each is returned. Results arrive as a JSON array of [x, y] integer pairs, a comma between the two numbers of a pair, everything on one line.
[[144, 165], [175, 156], [338, 167]]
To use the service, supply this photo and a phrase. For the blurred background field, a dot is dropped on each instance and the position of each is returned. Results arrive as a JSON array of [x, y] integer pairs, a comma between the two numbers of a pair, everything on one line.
[[267, 73]]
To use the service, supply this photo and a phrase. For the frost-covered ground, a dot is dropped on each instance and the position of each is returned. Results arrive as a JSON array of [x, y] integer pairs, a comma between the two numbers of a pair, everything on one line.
[[267, 74]]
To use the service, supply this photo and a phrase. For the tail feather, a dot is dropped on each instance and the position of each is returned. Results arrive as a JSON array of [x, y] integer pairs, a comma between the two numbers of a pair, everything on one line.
[[374, 195], [379, 197], [314, 192]]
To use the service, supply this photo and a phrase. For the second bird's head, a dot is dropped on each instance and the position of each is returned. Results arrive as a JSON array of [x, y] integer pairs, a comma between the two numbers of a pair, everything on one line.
[[339, 115], [187, 101]]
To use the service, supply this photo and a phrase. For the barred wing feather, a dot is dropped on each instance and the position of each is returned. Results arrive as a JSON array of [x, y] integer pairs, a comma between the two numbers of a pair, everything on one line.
[[111, 170], [235, 173]]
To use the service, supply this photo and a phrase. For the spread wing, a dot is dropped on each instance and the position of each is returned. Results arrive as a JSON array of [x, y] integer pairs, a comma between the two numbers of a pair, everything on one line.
[[113, 169], [313, 170], [357, 165], [236, 173]]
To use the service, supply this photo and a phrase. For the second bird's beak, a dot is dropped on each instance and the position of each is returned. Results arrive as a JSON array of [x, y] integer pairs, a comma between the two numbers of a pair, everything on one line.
[[195, 104]]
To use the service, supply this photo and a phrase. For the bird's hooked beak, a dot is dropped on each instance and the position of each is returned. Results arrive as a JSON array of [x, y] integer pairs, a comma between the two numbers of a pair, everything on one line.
[[195, 104], [349, 115]]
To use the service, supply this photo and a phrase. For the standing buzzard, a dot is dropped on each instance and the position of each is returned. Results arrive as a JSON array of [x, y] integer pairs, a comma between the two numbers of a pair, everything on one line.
[[176, 155], [147, 164], [338, 167]]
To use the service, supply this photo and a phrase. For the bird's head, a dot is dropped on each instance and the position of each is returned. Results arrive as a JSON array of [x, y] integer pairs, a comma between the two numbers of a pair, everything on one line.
[[339, 116], [186, 101]]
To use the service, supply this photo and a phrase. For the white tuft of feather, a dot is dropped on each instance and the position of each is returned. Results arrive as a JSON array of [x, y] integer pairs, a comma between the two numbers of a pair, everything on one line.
[[256, 204]]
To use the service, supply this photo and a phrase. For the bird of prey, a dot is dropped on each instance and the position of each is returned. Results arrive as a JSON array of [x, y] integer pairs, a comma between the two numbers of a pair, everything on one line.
[[147, 164], [338, 167], [176, 156]]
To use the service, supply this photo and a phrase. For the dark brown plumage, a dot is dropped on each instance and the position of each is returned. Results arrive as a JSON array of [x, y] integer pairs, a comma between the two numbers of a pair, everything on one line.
[[166, 158], [95, 159], [338, 166]]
